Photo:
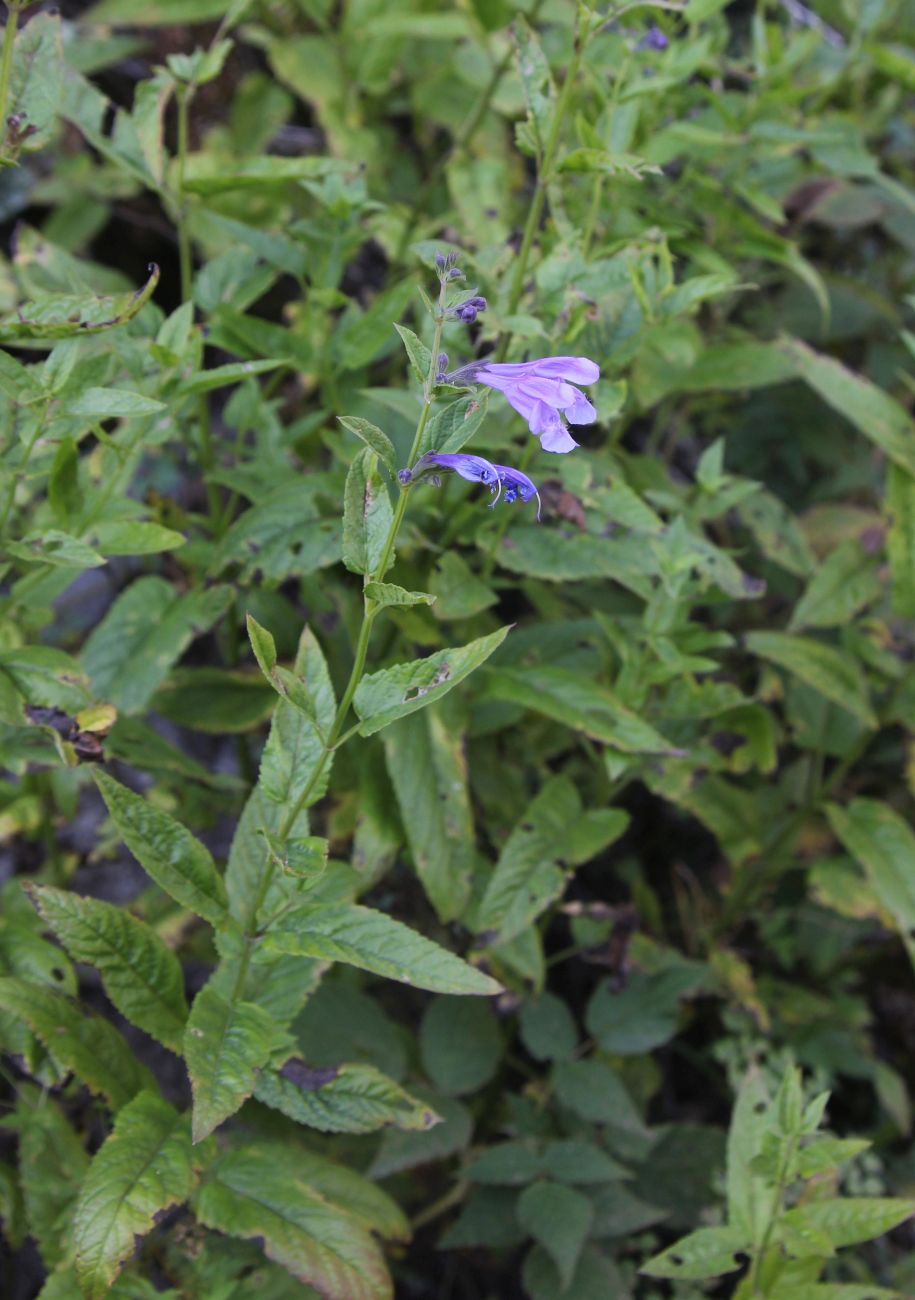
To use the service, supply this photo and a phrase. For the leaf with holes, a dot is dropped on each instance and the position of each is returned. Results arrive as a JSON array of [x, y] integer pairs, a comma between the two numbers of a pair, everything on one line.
[[383, 697]]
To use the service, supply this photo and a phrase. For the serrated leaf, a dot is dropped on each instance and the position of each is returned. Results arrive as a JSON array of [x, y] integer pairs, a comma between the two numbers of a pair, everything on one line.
[[884, 844], [225, 1046], [559, 1218], [828, 1153], [146, 630], [847, 1220], [373, 437], [142, 1168], [455, 424], [362, 937], [828, 670], [88, 1045], [123, 537], [142, 977], [367, 515], [295, 745], [419, 354], [383, 697], [707, 1252], [261, 1191], [36, 79], [387, 594], [59, 316], [166, 851], [46, 677], [342, 1099], [845, 582], [578, 703]]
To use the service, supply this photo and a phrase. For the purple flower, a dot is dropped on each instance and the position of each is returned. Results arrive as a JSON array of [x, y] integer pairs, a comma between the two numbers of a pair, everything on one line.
[[540, 390], [476, 470], [654, 39]]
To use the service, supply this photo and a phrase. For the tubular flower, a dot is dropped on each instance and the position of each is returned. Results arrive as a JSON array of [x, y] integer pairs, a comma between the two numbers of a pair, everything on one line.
[[476, 470], [543, 392]]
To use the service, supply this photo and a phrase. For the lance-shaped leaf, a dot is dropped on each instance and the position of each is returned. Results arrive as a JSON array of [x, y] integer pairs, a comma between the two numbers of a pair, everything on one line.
[[38, 71], [426, 763], [707, 1252], [142, 977], [143, 1167], [387, 594], [392, 693], [872, 411], [225, 1045], [885, 846], [145, 631], [900, 542], [342, 1099], [367, 515], [419, 354], [372, 436], [375, 942], [60, 316], [88, 1045], [262, 1192], [166, 851], [828, 670], [578, 703]]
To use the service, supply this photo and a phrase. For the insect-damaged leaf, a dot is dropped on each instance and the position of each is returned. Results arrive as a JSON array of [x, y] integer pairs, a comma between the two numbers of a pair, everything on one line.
[[392, 693], [342, 1099]]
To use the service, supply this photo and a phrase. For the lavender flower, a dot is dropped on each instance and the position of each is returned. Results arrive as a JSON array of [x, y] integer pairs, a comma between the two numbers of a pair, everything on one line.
[[654, 39], [476, 470], [540, 390]]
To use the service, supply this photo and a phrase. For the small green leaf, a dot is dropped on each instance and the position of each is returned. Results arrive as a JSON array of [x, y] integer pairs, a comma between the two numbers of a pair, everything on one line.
[[169, 853], [123, 537], [264, 648], [142, 977], [46, 677], [143, 1167], [367, 515], [376, 942], [419, 354], [547, 1029], [262, 1191], [884, 844], [88, 1045], [707, 1252], [845, 583], [383, 697], [578, 703], [145, 631], [342, 1099], [109, 403], [373, 437], [225, 1046], [559, 1218], [387, 594], [848, 1220], [829, 671], [460, 1044], [455, 424]]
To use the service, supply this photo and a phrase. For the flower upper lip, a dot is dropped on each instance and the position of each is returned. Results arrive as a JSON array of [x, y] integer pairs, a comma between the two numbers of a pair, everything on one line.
[[542, 391]]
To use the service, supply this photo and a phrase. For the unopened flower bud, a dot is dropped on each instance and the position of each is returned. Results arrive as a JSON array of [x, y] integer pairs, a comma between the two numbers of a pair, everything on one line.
[[439, 261]]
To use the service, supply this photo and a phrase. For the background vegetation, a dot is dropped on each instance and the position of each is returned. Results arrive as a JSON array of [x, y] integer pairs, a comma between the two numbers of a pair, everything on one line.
[[575, 959]]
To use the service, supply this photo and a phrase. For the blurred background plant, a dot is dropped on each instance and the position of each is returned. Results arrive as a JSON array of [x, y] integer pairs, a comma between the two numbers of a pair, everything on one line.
[[668, 815]]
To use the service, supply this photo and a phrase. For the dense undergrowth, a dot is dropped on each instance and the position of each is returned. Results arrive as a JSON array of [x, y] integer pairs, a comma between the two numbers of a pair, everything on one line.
[[407, 897]]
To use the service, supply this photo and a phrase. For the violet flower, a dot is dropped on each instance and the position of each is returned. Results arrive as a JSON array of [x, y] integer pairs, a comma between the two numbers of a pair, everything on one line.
[[654, 39], [476, 470], [542, 391]]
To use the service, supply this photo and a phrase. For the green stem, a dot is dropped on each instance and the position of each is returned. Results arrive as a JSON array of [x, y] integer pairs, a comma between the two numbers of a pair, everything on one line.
[[780, 1182], [544, 178], [6, 60], [360, 654]]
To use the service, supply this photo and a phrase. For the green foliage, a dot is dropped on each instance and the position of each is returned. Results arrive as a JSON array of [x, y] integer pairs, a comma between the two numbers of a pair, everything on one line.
[[458, 900]]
